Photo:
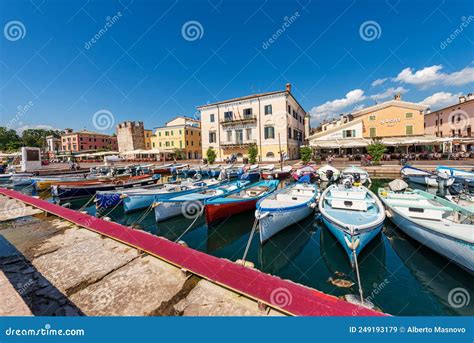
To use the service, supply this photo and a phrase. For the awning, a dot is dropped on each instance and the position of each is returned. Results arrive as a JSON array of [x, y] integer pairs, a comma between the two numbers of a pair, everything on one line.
[[340, 143]]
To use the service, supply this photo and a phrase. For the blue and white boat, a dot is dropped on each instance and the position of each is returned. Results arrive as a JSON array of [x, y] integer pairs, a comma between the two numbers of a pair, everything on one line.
[[354, 215], [435, 222], [192, 203], [284, 208], [460, 176], [426, 178], [140, 199]]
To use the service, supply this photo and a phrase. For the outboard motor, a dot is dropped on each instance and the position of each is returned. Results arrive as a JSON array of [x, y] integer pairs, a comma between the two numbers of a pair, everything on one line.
[[347, 183], [356, 177], [329, 174]]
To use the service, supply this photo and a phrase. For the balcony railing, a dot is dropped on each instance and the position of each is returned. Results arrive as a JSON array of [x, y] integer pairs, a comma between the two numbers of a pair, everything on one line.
[[244, 119], [238, 143]]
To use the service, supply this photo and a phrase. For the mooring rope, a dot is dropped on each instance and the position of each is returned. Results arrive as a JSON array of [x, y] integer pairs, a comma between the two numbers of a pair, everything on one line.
[[254, 227], [113, 208], [143, 216], [357, 267], [87, 203], [190, 226]]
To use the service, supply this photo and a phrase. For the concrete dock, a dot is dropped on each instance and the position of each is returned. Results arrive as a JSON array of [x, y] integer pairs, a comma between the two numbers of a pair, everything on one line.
[[56, 261]]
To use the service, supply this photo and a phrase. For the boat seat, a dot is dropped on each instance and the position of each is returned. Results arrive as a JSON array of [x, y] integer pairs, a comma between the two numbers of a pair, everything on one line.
[[348, 204], [368, 201], [256, 191], [293, 197]]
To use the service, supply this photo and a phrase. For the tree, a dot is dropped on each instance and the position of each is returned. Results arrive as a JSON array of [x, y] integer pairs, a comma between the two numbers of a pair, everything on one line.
[[37, 137], [9, 139], [211, 155], [306, 152], [252, 153], [376, 149]]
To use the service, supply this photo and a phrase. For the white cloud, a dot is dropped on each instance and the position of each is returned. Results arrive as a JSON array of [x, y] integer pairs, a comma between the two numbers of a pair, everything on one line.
[[378, 82], [26, 127], [441, 99], [388, 93], [331, 108], [433, 75]]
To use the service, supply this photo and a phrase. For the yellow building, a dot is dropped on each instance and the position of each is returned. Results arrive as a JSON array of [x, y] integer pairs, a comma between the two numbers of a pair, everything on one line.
[[147, 136], [396, 119], [274, 121], [180, 138]]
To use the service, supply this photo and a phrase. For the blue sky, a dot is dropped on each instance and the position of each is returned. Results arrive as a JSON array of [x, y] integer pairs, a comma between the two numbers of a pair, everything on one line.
[[144, 64]]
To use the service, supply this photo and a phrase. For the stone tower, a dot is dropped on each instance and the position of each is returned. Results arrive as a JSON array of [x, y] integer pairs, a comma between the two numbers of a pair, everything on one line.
[[130, 135]]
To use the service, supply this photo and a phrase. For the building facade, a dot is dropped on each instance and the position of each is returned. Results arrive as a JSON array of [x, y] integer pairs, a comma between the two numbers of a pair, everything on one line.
[[391, 119], [147, 137], [180, 138], [53, 146], [130, 136], [275, 122], [452, 121], [87, 141]]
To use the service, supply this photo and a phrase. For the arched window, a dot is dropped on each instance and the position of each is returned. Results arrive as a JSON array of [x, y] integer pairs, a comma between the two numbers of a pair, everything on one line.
[[270, 155]]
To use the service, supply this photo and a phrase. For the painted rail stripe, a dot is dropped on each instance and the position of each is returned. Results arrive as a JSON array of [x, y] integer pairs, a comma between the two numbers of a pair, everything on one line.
[[283, 295]]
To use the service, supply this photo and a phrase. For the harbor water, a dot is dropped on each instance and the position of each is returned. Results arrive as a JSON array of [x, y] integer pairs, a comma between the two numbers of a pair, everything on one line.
[[399, 275]]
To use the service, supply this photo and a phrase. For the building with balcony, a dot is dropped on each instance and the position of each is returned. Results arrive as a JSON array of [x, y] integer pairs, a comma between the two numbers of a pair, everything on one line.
[[180, 138], [392, 121], [275, 122], [452, 121], [87, 141]]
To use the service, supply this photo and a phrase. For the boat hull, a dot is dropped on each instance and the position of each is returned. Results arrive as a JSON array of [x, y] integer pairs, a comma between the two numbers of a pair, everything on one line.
[[463, 252], [343, 236], [219, 212], [167, 210], [275, 175], [276, 221]]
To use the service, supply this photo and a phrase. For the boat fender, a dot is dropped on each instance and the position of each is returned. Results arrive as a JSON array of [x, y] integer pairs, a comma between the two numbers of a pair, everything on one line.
[[182, 243], [312, 205], [260, 215], [83, 212], [388, 214], [351, 245], [245, 263], [155, 204], [108, 219], [123, 196]]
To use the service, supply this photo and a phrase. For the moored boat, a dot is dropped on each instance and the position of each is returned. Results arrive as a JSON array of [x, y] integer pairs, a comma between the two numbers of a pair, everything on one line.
[[139, 199], [461, 176], [354, 215], [358, 175], [437, 223], [306, 173], [242, 200], [285, 207], [277, 173], [328, 173], [192, 203], [426, 178], [66, 192]]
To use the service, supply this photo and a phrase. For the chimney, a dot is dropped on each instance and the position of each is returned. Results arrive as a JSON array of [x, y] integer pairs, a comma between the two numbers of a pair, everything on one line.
[[469, 96], [462, 99], [398, 97], [288, 87]]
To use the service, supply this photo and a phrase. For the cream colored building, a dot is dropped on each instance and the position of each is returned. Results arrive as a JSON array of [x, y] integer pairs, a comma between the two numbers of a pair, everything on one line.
[[180, 137], [392, 121], [273, 121]]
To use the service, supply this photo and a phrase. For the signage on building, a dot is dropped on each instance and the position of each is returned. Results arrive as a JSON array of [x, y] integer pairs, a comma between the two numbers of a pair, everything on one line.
[[390, 122]]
